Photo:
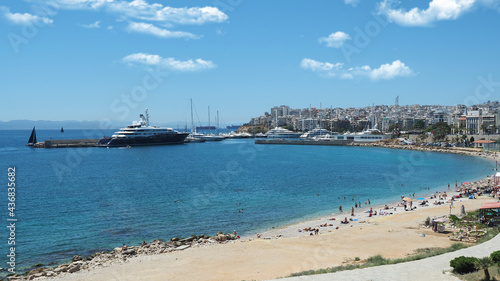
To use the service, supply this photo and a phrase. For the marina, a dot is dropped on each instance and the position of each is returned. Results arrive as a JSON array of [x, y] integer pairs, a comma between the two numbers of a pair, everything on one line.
[[303, 142]]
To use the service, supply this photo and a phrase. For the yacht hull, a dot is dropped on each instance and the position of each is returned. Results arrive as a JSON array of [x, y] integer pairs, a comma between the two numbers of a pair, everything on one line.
[[162, 139]]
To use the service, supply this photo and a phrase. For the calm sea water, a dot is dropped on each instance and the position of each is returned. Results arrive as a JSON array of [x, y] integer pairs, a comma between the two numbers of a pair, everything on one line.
[[78, 201]]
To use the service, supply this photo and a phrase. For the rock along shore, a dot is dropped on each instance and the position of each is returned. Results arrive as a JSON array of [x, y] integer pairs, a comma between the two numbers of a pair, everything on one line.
[[122, 254]]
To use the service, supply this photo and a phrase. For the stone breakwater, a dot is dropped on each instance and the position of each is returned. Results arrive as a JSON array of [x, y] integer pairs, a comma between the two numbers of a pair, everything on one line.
[[122, 254], [455, 150]]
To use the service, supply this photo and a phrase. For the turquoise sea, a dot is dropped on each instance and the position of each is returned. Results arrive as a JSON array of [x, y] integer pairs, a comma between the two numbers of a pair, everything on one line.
[[82, 200]]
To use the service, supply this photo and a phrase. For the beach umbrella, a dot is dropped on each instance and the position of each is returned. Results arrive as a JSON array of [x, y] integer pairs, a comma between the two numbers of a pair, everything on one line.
[[407, 199]]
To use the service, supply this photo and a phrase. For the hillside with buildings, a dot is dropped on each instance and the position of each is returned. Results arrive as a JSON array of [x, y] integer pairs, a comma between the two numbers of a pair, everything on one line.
[[474, 120]]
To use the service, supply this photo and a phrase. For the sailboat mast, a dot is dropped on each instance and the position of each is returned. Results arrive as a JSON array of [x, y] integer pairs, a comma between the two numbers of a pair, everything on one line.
[[209, 130], [192, 123], [320, 113], [218, 123]]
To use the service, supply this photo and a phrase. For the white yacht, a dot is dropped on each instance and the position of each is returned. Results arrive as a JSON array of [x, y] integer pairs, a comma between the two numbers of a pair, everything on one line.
[[141, 133], [371, 135], [281, 133], [315, 132]]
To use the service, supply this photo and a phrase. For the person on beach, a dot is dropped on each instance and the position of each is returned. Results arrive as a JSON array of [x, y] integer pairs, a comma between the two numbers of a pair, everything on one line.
[[124, 247], [352, 211], [356, 205], [340, 208]]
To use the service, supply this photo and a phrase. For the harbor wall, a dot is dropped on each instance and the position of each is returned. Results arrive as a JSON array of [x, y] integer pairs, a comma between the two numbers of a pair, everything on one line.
[[302, 142]]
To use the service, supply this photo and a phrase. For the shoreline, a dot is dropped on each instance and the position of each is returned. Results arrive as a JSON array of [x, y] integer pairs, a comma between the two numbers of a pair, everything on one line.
[[290, 231], [472, 152]]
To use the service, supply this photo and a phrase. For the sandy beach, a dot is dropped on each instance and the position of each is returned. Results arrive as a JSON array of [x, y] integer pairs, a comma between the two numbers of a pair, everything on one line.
[[391, 236], [281, 252]]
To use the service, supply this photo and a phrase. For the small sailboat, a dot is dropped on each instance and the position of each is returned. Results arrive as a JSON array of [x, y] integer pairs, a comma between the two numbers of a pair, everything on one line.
[[32, 140], [62, 130]]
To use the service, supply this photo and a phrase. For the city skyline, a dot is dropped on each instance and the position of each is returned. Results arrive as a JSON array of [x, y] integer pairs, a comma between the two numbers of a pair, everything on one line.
[[96, 59]]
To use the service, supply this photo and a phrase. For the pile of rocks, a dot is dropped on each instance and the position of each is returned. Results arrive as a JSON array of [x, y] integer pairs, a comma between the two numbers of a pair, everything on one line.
[[455, 150], [120, 255]]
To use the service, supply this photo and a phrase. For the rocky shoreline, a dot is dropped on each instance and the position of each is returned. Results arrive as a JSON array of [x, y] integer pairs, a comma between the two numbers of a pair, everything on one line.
[[122, 254], [455, 150]]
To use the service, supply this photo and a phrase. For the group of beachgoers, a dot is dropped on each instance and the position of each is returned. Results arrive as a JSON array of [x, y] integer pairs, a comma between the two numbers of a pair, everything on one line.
[[406, 203], [356, 205], [314, 231]]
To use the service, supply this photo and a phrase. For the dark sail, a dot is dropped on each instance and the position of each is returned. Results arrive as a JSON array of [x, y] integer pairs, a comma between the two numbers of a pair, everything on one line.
[[32, 139], [62, 130]]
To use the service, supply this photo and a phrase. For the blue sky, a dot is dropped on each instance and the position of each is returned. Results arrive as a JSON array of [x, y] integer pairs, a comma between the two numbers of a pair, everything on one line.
[[110, 59]]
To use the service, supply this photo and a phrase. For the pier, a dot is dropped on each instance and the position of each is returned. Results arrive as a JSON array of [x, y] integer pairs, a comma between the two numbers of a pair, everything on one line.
[[303, 142], [68, 143]]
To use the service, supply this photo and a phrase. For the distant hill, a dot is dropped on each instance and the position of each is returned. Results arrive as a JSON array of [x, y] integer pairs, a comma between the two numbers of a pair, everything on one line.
[[49, 125], [73, 124]]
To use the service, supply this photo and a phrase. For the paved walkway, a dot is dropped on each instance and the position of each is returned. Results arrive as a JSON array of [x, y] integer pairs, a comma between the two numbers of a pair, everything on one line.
[[426, 269]]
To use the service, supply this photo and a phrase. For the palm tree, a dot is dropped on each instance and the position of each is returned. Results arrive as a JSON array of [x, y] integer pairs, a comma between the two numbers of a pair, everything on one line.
[[483, 128], [484, 263]]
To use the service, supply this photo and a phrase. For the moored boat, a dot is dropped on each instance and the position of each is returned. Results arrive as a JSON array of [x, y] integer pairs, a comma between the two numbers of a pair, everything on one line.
[[140, 133], [281, 133]]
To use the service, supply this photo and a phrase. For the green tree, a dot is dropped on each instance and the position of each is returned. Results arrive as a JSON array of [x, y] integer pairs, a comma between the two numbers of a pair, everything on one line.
[[439, 130], [483, 128], [495, 256], [463, 265], [464, 138], [484, 264], [419, 124], [393, 127]]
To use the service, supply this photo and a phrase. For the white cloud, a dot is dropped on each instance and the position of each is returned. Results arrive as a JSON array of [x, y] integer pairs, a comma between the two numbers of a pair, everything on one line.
[[92, 25], [24, 19], [385, 71], [335, 40], [142, 10], [168, 63], [147, 28], [319, 66], [143, 59], [353, 3], [80, 4], [389, 71], [438, 10]]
